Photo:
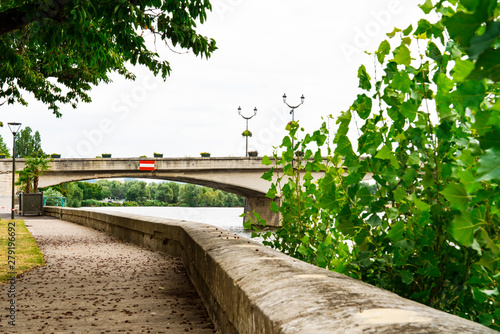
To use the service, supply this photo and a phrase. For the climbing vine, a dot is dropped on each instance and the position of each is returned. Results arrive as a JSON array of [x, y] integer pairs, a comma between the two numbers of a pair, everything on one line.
[[413, 205]]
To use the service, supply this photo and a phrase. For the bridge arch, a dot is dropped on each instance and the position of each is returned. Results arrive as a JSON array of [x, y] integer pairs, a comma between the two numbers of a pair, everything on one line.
[[241, 176]]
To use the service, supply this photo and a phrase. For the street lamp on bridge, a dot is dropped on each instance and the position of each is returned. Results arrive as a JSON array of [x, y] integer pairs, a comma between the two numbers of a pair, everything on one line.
[[14, 128], [292, 112], [247, 133]]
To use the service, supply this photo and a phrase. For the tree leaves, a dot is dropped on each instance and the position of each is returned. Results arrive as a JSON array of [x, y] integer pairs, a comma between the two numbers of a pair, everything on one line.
[[58, 55]]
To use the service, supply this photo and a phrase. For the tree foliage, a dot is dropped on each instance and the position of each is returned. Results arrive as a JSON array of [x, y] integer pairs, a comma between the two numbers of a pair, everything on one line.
[[141, 193], [28, 144], [428, 122], [29, 176], [3, 148], [58, 49]]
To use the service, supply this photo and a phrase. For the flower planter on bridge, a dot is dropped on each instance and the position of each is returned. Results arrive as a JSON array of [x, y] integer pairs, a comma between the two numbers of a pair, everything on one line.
[[31, 204]]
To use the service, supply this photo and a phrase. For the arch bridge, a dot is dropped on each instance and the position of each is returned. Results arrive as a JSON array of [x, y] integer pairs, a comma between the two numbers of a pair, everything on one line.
[[241, 176]]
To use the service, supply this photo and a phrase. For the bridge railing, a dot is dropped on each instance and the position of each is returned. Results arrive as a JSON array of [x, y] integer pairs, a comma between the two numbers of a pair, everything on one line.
[[55, 201]]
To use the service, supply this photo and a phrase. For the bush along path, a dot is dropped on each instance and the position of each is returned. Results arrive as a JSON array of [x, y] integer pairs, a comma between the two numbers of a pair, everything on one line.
[[428, 122]]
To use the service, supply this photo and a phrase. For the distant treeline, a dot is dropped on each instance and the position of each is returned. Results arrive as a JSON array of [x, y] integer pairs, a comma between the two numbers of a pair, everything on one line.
[[140, 193]]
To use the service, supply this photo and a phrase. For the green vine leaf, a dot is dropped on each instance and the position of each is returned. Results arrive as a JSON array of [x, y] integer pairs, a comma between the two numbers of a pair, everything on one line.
[[480, 43], [489, 166], [402, 55], [462, 69], [456, 194], [462, 27], [462, 230], [383, 50], [364, 78], [393, 33], [386, 153], [427, 6], [471, 5], [363, 105], [268, 176]]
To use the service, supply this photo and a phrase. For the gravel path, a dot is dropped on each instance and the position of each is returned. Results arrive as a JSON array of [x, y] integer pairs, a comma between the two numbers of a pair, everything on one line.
[[93, 283]]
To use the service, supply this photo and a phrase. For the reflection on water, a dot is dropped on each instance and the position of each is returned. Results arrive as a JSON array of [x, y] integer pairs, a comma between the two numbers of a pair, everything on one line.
[[227, 218]]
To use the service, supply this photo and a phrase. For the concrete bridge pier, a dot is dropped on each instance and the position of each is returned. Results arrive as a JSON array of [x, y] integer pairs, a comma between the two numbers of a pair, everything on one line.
[[262, 206]]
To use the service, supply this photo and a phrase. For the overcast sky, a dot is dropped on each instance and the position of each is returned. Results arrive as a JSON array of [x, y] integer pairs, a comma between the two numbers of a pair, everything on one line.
[[266, 48]]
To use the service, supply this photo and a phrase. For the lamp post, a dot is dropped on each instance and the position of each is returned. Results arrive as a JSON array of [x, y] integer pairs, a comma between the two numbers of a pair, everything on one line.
[[246, 130], [14, 128], [292, 112]]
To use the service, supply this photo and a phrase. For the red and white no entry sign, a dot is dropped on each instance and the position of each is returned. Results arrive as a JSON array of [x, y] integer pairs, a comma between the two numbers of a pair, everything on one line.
[[146, 165]]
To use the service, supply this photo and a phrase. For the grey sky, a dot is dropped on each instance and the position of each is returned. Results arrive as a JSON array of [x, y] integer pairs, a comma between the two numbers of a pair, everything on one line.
[[266, 48]]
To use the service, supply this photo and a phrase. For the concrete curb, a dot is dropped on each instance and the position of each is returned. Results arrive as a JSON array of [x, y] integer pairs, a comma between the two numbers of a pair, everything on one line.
[[250, 288]]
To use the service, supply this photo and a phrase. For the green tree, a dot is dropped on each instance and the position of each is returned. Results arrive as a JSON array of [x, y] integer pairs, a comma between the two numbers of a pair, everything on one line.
[[51, 192], [175, 191], [208, 197], [105, 188], [189, 195], [70, 190], [164, 193], [428, 133], [118, 189], [137, 191], [74, 194], [27, 144], [58, 49], [3, 148], [29, 176], [91, 190]]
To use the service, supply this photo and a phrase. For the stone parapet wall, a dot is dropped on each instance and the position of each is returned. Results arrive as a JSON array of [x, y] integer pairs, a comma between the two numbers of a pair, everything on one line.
[[249, 288]]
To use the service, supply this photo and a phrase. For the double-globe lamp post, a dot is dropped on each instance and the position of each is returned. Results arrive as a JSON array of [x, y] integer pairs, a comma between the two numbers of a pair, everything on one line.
[[292, 112], [246, 130], [14, 128]]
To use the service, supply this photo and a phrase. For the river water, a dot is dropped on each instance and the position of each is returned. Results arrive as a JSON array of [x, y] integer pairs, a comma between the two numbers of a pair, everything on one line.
[[227, 218]]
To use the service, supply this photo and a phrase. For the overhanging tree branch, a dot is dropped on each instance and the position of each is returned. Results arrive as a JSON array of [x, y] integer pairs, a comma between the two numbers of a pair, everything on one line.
[[17, 18], [81, 42]]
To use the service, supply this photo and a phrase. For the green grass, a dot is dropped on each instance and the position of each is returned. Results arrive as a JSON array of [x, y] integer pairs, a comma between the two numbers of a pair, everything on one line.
[[27, 255]]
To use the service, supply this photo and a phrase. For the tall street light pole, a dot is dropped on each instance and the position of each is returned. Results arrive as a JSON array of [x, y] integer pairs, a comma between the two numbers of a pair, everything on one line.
[[14, 128], [246, 130], [292, 112]]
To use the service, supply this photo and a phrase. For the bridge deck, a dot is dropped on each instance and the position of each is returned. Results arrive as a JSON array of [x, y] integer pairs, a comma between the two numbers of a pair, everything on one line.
[[93, 283]]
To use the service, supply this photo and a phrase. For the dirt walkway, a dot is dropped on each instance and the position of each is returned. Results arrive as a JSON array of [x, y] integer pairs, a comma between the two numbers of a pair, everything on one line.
[[93, 283]]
